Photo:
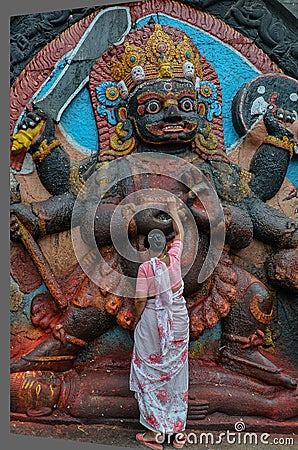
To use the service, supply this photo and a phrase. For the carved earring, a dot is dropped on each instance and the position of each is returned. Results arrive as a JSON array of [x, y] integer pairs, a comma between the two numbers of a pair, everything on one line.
[[122, 141]]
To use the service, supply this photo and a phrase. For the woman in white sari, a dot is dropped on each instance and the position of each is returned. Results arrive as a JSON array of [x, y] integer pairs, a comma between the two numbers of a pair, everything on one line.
[[159, 366]]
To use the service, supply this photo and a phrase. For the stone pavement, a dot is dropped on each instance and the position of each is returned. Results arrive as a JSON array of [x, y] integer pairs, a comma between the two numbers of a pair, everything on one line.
[[124, 437]]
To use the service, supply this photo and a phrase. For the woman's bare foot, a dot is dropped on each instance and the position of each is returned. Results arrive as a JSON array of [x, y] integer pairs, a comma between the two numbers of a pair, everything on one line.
[[149, 439], [180, 439]]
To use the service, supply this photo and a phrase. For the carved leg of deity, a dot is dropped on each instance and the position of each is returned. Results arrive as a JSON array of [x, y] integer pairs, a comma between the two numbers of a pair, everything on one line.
[[98, 393], [243, 332], [58, 351]]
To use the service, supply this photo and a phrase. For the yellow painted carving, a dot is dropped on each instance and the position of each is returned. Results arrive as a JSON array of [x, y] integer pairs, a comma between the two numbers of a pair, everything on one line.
[[22, 140]]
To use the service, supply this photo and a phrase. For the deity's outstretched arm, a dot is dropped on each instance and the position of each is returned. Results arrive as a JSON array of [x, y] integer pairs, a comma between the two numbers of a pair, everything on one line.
[[270, 163], [268, 168], [62, 179], [248, 191], [65, 181], [270, 225]]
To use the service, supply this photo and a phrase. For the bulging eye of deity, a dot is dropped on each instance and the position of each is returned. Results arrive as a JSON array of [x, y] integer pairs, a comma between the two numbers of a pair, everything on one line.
[[153, 107], [187, 104]]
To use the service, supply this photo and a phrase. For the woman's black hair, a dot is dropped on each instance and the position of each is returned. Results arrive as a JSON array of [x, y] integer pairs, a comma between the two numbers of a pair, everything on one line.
[[155, 240]]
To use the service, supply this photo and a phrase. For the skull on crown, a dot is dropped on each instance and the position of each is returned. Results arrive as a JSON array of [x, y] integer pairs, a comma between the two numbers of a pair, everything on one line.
[[188, 70], [138, 74]]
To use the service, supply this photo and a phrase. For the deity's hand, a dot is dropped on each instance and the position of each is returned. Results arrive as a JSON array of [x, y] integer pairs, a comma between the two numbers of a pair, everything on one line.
[[43, 311], [28, 130], [59, 333], [128, 211], [19, 212], [36, 128], [279, 122]]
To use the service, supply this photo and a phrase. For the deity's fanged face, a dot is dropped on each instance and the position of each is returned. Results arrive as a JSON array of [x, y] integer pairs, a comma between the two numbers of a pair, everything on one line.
[[165, 112]]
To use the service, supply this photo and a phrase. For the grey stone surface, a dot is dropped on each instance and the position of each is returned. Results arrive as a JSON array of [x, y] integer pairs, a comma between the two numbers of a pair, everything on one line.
[[292, 6], [122, 437]]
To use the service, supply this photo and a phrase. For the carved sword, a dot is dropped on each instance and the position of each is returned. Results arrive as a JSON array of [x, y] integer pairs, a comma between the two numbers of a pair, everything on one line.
[[109, 27]]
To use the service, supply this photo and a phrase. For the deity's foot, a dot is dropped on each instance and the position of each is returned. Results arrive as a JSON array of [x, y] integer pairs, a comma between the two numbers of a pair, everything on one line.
[[197, 409], [252, 363]]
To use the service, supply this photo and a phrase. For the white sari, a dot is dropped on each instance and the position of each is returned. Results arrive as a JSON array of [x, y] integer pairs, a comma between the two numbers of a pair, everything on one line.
[[159, 366]]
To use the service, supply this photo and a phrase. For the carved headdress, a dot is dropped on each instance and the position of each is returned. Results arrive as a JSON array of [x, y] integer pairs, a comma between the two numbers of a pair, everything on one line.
[[161, 57], [149, 53]]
